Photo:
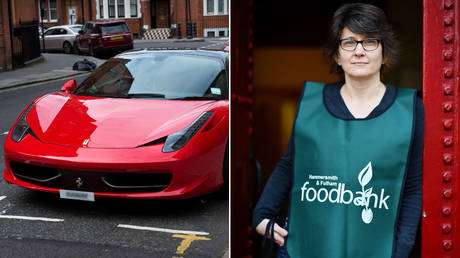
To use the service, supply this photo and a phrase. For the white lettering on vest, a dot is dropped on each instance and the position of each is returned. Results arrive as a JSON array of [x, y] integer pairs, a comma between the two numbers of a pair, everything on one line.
[[342, 195]]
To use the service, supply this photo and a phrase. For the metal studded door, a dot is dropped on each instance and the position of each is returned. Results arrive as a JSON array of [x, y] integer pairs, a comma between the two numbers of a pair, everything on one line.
[[241, 125], [441, 167]]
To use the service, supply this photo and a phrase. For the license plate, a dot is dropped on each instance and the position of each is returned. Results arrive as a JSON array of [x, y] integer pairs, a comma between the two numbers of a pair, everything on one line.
[[76, 195], [117, 37]]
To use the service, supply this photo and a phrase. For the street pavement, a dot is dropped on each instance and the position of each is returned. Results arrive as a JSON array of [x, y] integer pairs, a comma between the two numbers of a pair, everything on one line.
[[51, 66], [83, 221]]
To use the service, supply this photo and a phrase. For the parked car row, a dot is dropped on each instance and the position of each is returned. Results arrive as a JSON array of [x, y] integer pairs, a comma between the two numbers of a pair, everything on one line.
[[93, 38], [60, 38]]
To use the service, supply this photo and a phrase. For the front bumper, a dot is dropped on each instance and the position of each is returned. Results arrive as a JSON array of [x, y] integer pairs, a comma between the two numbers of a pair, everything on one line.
[[189, 172]]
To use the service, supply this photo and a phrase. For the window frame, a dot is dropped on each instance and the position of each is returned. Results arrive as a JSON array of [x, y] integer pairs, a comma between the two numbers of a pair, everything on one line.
[[48, 11], [114, 6], [216, 31], [103, 9], [137, 9], [100, 10], [121, 3], [216, 8]]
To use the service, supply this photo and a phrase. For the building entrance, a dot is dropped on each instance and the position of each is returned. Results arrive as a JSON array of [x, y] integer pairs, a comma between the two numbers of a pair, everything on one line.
[[159, 11]]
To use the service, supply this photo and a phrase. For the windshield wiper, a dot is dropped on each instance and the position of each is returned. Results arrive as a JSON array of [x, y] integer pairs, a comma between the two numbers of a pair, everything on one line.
[[145, 95], [200, 98]]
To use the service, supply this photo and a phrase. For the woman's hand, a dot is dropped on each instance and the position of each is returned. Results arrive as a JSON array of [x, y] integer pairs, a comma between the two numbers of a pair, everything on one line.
[[280, 233]]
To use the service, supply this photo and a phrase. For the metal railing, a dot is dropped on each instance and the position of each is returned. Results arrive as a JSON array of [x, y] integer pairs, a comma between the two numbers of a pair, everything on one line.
[[26, 44]]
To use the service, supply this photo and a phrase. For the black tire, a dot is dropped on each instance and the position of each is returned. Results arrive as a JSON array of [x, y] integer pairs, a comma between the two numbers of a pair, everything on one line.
[[67, 47]]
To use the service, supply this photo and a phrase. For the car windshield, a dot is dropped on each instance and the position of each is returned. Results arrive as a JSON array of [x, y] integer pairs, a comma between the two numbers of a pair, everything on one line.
[[159, 76], [114, 27], [75, 28]]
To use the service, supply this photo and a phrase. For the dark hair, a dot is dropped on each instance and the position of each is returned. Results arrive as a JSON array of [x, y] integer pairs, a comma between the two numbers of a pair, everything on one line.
[[365, 19]]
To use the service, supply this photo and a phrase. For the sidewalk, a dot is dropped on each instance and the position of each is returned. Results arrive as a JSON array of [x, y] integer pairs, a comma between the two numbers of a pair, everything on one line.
[[52, 66], [182, 40]]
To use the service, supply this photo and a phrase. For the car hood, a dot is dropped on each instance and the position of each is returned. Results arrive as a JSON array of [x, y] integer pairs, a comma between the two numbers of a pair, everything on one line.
[[91, 122]]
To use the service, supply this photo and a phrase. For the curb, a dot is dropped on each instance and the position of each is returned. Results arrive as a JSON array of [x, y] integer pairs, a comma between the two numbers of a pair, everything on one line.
[[169, 40], [190, 40], [35, 60], [180, 40], [15, 85]]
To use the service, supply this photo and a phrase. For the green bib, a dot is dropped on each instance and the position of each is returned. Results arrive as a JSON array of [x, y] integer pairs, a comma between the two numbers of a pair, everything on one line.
[[348, 178]]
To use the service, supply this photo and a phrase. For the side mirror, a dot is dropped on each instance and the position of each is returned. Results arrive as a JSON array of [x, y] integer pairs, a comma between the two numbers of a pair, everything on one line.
[[69, 86], [81, 32]]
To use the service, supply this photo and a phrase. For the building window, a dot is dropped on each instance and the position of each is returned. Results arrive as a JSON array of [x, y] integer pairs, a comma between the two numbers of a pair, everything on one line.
[[50, 10], [53, 9], [42, 5], [111, 8], [101, 9], [216, 32], [215, 7], [220, 7], [133, 8], [121, 8], [210, 7], [118, 9]]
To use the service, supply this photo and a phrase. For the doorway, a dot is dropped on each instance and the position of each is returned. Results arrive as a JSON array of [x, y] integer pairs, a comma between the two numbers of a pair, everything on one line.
[[159, 13], [293, 35]]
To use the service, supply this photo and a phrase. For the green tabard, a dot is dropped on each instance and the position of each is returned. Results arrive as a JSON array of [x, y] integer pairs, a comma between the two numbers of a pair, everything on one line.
[[348, 178]]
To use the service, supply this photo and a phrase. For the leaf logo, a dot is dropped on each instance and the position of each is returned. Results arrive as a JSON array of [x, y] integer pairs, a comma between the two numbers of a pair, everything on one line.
[[365, 175], [367, 215], [364, 178]]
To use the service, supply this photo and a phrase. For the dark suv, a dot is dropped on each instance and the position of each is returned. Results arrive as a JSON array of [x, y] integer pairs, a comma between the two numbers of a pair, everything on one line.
[[102, 36]]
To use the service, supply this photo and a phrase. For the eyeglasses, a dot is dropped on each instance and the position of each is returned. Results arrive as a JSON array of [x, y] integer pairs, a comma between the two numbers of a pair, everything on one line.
[[351, 44]]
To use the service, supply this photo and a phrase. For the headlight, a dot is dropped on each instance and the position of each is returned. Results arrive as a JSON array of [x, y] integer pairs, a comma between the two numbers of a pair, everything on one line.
[[21, 129], [178, 139]]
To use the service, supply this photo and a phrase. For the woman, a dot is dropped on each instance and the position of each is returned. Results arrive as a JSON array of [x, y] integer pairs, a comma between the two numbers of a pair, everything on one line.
[[352, 169]]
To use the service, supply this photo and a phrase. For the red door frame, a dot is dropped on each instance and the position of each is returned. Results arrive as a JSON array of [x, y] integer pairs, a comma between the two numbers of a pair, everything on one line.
[[241, 47], [441, 206]]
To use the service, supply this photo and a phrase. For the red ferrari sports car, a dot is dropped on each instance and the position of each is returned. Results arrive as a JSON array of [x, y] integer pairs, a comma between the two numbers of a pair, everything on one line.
[[145, 124]]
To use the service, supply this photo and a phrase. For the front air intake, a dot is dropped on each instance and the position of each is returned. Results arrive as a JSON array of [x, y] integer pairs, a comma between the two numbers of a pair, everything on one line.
[[34, 174], [138, 182]]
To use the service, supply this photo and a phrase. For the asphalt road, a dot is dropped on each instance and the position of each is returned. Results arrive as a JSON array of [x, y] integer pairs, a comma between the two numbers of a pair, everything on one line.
[[52, 227]]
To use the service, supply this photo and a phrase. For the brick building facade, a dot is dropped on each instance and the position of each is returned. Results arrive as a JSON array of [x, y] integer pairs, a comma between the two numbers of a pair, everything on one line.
[[211, 18], [6, 61], [17, 17]]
